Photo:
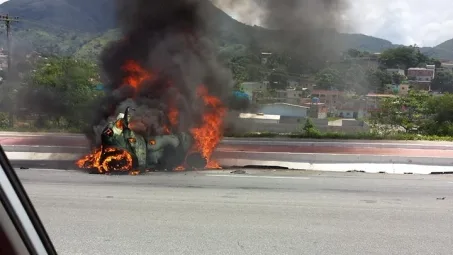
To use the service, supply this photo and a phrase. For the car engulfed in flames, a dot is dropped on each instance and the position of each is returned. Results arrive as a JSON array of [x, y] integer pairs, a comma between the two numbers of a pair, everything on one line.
[[125, 149]]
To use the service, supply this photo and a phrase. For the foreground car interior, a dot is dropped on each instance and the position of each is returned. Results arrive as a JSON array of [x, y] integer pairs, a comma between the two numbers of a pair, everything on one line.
[[21, 229]]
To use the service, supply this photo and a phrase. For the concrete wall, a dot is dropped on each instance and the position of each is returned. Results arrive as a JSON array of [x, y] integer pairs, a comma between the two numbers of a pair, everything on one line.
[[295, 120], [251, 126], [352, 123], [284, 110]]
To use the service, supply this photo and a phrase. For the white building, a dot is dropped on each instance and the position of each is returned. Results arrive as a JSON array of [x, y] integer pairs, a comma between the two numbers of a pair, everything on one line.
[[293, 83], [260, 118], [285, 110], [395, 70], [447, 66], [290, 96]]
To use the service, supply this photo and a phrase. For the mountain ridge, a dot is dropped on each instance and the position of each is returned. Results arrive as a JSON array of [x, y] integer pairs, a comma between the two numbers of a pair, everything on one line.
[[83, 27]]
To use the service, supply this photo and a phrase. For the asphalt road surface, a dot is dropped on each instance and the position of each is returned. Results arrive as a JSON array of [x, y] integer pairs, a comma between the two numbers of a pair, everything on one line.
[[259, 212]]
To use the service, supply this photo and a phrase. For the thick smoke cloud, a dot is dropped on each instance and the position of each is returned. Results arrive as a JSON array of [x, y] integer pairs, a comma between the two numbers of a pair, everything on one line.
[[288, 14], [305, 27], [167, 38]]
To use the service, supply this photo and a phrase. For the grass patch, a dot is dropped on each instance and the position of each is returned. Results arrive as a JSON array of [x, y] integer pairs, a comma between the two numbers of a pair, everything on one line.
[[342, 136]]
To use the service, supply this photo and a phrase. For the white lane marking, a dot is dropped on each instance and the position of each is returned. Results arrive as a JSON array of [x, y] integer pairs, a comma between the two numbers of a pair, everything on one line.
[[259, 176]]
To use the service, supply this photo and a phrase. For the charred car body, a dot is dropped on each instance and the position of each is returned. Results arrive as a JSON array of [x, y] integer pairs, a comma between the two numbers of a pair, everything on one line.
[[122, 149]]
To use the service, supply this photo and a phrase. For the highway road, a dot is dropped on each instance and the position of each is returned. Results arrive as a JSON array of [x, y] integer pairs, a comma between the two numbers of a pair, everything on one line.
[[259, 212]]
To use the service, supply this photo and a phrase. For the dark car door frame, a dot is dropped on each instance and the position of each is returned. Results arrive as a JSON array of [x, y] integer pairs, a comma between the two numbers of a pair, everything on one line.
[[21, 212]]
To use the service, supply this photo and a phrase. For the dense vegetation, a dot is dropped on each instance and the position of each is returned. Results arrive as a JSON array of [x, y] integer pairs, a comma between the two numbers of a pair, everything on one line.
[[418, 113], [57, 94], [60, 91]]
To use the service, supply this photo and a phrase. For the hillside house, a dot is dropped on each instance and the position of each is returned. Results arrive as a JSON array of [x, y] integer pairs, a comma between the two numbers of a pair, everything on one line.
[[331, 98], [446, 67], [420, 78], [250, 87], [397, 89], [316, 110], [395, 70], [373, 101]]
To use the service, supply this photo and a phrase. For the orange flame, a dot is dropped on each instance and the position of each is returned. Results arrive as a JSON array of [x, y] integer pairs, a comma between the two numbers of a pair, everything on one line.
[[173, 118], [209, 134], [173, 115], [136, 74], [115, 160], [179, 168]]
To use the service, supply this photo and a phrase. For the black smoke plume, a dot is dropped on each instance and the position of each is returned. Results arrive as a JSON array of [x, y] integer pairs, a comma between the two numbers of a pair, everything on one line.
[[306, 29], [168, 39]]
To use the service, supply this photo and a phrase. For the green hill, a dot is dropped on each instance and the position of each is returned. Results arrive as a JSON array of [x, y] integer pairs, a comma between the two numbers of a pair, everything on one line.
[[83, 27], [441, 51]]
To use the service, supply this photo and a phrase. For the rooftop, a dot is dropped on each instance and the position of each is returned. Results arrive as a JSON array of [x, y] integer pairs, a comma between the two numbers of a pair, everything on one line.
[[327, 92], [419, 68], [380, 95], [252, 83], [292, 105], [259, 116]]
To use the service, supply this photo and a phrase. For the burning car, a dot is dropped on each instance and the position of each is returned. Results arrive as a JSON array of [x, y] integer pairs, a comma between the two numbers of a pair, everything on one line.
[[123, 150]]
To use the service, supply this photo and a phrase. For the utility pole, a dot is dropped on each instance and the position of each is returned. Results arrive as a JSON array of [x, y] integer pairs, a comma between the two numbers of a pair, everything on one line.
[[8, 20]]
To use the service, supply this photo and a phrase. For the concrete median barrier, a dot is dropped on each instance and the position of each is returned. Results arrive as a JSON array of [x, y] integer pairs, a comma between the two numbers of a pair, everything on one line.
[[338, 162], [64, 139], [64, 157]]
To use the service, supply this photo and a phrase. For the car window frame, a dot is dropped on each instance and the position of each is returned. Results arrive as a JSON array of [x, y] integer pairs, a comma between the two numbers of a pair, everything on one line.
[[20, 210]]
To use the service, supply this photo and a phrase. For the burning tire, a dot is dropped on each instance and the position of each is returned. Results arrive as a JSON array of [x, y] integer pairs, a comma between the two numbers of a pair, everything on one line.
[[109, 160], [117, 160]]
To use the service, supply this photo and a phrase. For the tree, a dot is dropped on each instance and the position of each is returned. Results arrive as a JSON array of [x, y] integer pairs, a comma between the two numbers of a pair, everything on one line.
[[441, 110], [61, 88], [353, 53], [355, 78], [397, 78], [377, 79], [409, 112], [245, 68], [442, 82], [405, 57], [329, 78], [278, 79], [230, 51], [401, 57]]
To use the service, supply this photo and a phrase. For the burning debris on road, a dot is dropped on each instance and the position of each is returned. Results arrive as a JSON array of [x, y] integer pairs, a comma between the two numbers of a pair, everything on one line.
[[165, 89]]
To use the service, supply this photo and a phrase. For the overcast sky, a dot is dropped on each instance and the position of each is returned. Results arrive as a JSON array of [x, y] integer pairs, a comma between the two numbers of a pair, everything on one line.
[[422, 22], [426, 23]]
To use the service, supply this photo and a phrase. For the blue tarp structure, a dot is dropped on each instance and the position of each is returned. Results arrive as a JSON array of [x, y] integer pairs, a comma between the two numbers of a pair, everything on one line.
[[100, 87], [240, 94]]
